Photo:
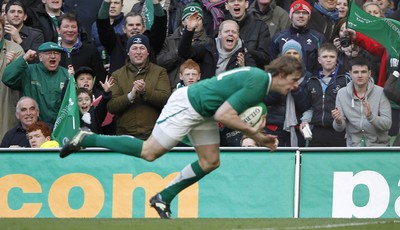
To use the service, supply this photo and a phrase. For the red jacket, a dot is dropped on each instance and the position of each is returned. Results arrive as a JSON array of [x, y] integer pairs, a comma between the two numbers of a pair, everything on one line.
[[375, 49]]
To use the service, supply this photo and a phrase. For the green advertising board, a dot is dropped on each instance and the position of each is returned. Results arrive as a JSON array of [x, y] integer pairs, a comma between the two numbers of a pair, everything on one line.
[[350, 183], [100, 184]]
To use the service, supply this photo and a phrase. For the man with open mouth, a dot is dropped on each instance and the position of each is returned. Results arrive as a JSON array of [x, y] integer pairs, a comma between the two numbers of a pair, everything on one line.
[[42, 81]]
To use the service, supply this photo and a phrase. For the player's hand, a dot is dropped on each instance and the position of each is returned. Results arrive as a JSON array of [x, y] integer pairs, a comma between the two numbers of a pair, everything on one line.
[[269, 141]]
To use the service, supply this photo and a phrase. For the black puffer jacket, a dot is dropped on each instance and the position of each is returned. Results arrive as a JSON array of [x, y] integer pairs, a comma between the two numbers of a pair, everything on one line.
[[206, 54]]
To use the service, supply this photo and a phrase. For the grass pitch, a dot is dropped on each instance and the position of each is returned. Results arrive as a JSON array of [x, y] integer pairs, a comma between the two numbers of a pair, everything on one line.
[[194, 224]]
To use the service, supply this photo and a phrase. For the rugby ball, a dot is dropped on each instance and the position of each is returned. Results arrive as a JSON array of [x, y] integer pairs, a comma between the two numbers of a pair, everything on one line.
[[253, 114]]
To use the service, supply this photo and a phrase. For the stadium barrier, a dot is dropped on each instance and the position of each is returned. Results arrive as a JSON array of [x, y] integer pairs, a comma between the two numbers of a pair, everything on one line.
[[250, 183]]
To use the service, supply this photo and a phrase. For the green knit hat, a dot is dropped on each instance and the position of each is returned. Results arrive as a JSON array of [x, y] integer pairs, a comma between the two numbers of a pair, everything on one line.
[[190, 9]]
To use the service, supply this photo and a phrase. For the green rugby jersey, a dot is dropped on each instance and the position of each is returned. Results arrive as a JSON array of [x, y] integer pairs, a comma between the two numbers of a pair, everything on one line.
[[242, 87]]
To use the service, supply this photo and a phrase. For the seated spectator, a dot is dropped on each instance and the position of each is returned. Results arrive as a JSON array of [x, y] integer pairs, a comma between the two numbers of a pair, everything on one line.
[[27, 113], [362, 109], [39, 136], [8, 97], [26, 36], [48, 78]]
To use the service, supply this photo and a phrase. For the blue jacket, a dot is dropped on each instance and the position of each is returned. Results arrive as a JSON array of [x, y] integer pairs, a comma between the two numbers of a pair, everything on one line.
[[309, 39]]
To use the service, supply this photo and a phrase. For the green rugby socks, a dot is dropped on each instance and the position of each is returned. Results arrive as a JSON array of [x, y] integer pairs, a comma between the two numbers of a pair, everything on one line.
[[188, 176], [123, 144]]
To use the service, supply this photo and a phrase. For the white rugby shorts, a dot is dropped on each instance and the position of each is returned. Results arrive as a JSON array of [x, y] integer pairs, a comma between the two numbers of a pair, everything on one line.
[[178, 119]]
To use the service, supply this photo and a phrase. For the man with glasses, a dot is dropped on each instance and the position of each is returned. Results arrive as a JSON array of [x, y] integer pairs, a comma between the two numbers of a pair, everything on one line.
[[310, 40], [42, 81]]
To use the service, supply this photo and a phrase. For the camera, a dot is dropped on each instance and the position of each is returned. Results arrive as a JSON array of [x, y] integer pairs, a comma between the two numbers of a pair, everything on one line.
[[345, 42]]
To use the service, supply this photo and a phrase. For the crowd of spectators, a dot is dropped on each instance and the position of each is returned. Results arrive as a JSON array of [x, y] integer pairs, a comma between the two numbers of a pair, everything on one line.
[[127, 65]]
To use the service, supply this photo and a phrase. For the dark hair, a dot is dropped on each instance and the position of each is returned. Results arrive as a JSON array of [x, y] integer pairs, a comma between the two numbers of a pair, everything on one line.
[[16, 3], [359, 61], [84, 90], [285, 64], [133, 14], [2, 22], [40, 125], [336, 29], [68, 16]]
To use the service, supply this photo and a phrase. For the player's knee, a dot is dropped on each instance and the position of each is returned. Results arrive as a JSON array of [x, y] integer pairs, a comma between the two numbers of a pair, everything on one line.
[[149, 157], [209, 166]]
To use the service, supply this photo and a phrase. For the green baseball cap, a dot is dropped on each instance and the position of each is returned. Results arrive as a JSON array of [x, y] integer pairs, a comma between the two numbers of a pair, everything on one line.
[[50, 46]]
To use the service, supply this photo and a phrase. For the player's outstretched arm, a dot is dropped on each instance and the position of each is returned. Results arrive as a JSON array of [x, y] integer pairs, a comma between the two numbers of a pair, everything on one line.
[[230, 118]]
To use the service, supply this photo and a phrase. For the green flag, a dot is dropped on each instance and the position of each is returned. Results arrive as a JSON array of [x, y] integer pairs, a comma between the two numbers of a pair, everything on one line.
[[383, 30], [68, 121], [149, 13]]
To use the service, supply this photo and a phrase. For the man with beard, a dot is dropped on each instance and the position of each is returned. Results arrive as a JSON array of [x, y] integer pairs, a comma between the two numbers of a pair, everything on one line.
[[42, 81]]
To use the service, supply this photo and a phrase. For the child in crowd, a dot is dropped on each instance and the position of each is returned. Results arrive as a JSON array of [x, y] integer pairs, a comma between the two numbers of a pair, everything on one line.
[[85, 78], [189, 73], [321, 92], [93, 117], [39, 136]]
